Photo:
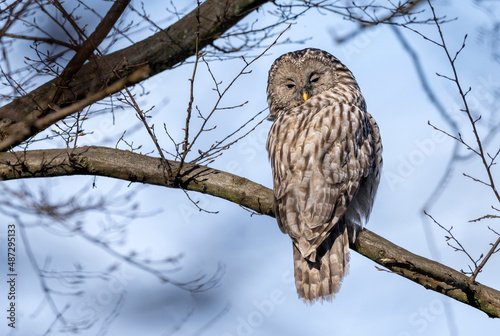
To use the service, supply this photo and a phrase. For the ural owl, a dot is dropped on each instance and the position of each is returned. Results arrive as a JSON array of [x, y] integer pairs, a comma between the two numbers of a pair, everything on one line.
[[325, 154]]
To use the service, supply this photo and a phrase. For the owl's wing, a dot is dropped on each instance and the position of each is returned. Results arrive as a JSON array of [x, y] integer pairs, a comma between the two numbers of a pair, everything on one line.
[[319, 160]]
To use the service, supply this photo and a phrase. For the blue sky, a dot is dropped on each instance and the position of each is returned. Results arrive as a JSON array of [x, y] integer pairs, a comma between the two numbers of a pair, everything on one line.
[[256, 294]]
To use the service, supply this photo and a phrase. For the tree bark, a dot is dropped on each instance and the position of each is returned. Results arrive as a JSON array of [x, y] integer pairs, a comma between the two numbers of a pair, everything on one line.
[[134, 167]]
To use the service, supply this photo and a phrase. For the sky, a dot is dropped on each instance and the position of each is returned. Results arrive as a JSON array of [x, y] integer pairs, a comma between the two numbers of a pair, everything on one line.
[[255, 293]]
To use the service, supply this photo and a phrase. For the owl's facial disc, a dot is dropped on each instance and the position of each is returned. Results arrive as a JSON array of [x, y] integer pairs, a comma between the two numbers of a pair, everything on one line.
[[311, 79], [295, 81], [301, 87]]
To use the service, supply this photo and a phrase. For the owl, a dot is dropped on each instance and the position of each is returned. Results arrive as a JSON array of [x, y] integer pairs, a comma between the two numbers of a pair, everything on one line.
[[325, 152]]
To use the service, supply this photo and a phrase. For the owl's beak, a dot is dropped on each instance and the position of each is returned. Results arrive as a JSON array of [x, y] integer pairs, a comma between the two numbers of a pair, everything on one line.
[[305, 96]]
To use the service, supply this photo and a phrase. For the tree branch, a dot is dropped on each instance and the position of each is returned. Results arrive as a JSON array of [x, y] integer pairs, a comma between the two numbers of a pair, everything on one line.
[[88, 47], [42, 39], [27, 128], [160, 51], [134, 167]]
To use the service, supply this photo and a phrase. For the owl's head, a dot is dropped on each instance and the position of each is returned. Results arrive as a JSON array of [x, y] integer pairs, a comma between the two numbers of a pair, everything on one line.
[[300, 75]]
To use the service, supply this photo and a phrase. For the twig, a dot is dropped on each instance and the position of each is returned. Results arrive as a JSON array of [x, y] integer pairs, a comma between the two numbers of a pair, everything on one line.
[[222, 94], [460, 248], [480, 152], [131, 166], [498, 234], [42, 39], [142, 117], [185, 144], [483, 217], [448, 171], [486, 258]]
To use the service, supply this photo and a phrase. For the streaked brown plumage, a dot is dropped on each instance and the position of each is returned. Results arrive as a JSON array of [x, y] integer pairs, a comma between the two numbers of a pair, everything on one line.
[[325, 154]]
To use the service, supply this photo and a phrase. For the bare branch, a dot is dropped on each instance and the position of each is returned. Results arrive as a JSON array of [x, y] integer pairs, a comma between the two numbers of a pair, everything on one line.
[[460, 248], [483, 217], [22, 131], [92, 42], [186, 146], [14, 16], [140, 168], [485, 259]]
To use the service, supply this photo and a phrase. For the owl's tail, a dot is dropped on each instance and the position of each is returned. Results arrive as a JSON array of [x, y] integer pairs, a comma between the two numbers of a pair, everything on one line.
[[322, 279]]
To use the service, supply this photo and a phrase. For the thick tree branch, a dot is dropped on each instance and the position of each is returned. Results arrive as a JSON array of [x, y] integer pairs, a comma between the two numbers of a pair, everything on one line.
[[133, 167], [140, 168], [161, 51]]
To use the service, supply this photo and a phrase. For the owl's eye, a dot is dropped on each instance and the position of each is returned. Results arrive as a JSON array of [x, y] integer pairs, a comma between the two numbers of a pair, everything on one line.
[[314, 78], [290, 86]]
